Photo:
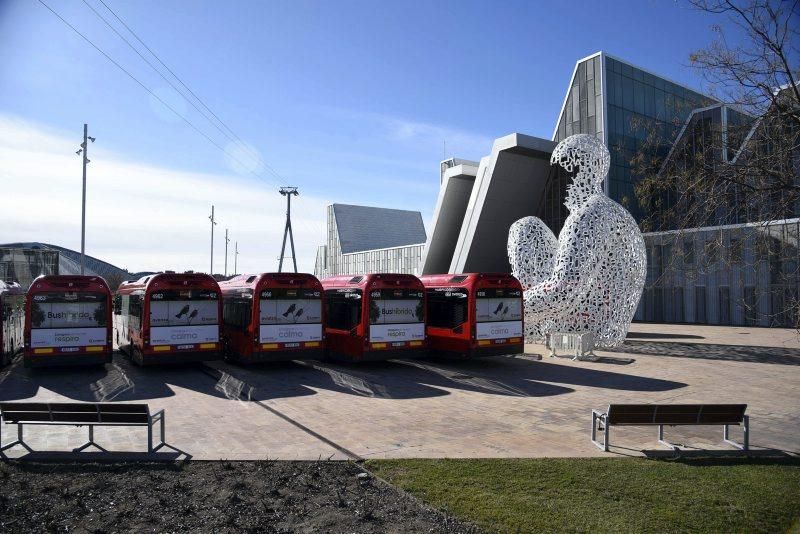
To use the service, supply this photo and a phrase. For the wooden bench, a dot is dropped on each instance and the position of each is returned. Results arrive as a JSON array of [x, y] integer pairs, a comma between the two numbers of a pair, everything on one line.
[[79, 414], [662, 415]]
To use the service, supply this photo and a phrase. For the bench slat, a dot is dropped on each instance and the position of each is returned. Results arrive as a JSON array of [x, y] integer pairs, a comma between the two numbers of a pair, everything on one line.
[[125, 418], [24, 406], [77, 417], [15, 417], [73, 407], [124, 408]]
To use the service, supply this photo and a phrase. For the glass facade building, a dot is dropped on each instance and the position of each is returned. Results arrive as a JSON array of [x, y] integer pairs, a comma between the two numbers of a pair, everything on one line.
[[23, 265], [744, 274], [620, 104], [730, 269]]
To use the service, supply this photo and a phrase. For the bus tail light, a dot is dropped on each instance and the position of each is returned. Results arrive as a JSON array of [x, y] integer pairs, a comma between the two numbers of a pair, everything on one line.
[[378, 345], [515, 340], [484, 342], [311, 344], [43, 351], [266, 346], [95, 349], [161, 348], [208, 345], [416, 343]]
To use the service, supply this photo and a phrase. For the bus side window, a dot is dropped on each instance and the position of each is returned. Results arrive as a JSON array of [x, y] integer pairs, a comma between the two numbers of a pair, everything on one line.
[[117, 304], [135, 306], [342, 313], [236, 312]]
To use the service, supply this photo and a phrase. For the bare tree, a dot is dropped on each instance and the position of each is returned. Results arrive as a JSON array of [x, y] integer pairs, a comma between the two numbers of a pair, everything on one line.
[[735, 161]]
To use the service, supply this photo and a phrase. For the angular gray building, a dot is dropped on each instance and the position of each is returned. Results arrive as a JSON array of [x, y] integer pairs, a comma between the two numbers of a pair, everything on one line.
[[606, 97], [365, 239]]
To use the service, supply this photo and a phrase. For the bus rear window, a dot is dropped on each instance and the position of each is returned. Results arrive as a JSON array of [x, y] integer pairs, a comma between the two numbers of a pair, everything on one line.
[[184, 308], [447, 307], [290, 306], [64, 309], [498, 304], [396, 306], [343, 308]]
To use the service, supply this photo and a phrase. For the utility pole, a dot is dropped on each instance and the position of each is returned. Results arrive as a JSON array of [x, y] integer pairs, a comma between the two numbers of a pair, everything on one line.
[[288, 192], [236, 257], [213, 224], [226, 251], [85, 150]]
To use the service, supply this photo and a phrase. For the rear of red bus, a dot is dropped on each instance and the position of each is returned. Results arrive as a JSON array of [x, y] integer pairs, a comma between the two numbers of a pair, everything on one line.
[[182, 320], [68, 321], [374, 317], [474, 315], [273, 317]]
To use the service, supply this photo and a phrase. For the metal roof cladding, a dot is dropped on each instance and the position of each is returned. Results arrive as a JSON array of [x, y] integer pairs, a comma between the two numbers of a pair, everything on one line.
[[367, 228]]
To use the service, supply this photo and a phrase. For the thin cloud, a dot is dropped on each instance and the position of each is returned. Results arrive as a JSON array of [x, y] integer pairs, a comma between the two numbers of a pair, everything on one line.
[[143, 217], [428, 137]]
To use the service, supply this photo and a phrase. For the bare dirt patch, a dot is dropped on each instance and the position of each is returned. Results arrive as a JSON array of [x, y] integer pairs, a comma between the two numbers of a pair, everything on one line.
[[323, 496]]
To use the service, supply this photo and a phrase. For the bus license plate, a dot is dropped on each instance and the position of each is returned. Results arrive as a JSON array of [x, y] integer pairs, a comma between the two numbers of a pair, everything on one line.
[[500, 341], [70, 349], [398, 344], [183, 347], [291, 345]]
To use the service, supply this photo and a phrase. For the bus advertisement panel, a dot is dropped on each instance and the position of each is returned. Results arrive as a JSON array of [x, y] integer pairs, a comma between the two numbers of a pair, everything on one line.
[[68, 319], [396, 315], [498, 313], [184, 317], [290, 315]]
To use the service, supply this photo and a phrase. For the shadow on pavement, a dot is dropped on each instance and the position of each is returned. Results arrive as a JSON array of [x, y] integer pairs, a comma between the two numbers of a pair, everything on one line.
[[661, 335], [513, 368], [365, 380], [704, 351], [455, 375]]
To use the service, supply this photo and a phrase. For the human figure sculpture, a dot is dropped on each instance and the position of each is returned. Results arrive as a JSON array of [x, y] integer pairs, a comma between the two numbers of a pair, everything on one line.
[[590, 279]]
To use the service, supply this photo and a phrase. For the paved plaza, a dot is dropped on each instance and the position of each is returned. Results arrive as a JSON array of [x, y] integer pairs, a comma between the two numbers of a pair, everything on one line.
[[525, 406]]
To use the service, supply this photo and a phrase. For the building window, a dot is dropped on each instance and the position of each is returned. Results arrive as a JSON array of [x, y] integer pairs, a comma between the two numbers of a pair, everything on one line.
[[700, 304]]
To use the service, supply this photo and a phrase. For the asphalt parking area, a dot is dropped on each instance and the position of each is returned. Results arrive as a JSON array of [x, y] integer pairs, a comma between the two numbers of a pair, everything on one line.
[[520, 406]]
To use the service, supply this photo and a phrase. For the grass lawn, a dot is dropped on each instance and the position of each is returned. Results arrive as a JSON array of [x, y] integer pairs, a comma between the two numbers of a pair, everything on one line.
[[607, 494]]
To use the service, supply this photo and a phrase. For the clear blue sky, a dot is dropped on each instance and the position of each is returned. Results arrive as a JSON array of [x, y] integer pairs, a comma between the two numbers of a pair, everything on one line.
[[351, 101]]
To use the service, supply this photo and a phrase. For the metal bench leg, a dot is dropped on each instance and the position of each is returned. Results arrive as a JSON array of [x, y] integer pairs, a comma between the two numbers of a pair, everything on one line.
[[19, 441], [663, 442], [90, 443], [745, 446], [599, 418], [162, 427]]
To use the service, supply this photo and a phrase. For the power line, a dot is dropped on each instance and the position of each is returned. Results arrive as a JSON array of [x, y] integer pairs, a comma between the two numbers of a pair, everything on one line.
[[253, 153], [112, 28], [154, 95], [159, 99]]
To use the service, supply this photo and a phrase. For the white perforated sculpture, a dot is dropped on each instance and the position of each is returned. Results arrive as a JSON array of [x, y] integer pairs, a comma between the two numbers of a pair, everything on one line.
[[590, 279]]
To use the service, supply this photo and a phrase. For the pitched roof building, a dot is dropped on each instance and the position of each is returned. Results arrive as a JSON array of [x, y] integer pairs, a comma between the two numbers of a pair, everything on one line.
[[364, 239]]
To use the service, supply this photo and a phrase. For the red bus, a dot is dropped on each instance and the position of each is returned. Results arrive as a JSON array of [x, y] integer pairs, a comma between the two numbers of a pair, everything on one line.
[[374, 317], [12, 320], [476, 314], [272, 317], [68, 321], [169, 318]]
